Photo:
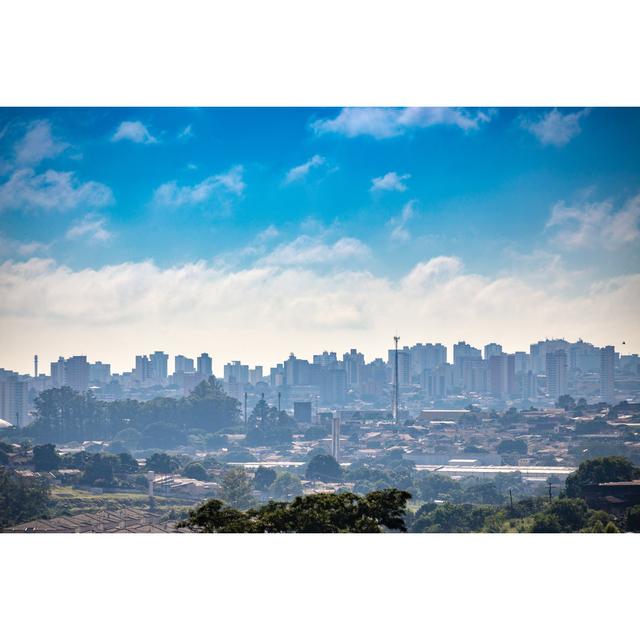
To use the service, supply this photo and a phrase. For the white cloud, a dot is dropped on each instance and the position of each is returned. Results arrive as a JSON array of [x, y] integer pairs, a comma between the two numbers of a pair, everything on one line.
[[265, 312], [595, 224], [38, 144], [390, 182], [134, 131], [381, 122], [268, 234], [301, 171], [91, 227], [305, 250], [555, 128], [230, 183], [10, 247], [51, 191], [398, 224], [186, 133]]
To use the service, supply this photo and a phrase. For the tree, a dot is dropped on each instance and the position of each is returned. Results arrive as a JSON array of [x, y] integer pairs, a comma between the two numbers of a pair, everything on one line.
[[196, 471], [100, 469], [46, 458], [598, 470], [130, 437], [162, 463], [22, 499], [513, 446], [323, 513], [286, 486], [163, 435], [566, 402], [263, 478], [324, 467], [237, 488], [632, 519]]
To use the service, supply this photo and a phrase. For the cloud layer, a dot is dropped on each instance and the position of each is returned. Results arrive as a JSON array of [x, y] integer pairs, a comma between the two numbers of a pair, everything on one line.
[[380, 123], [117, 311]]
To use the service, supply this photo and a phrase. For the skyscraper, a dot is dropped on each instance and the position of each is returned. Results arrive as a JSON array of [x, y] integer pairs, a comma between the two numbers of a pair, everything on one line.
[[182, 364], [556, 368], [607, 373], [492, 349], [205, 365], [158, 360]]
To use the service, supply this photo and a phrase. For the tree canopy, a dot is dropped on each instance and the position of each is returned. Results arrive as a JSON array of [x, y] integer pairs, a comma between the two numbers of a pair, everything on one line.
[[325, 468], [323, 513], [598, 470]]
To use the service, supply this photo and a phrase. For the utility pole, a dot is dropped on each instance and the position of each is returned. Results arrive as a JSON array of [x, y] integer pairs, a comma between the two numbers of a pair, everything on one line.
[[550, 496], [510, 499], [279, 396], [396, 386]]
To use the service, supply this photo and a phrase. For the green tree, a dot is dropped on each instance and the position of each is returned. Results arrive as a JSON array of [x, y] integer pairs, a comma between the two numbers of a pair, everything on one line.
[[100, 469], [598, 470], [237, 489], [566, 402], [46, 458], [162, 463], [632, 519], [163, 435], [22, 499], [323, 513], [196, 471], [263, 478], [513, 446], [325, 468], [286, 486]]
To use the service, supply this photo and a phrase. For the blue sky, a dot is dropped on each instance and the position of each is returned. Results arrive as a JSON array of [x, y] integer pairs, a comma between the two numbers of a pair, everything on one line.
[[546, 199]]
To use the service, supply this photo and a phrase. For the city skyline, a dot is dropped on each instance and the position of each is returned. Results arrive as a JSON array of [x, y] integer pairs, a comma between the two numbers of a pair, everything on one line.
[[227, 229], [217, 365]]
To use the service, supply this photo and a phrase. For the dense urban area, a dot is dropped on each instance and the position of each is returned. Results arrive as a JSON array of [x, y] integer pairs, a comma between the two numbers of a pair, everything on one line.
[[540, 441]]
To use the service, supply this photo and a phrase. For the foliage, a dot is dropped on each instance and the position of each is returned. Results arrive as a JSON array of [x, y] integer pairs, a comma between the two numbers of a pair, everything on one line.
[[237, 489], [286, 486], [325, 468], [632, 519], [64, 415], [268, 426], [324, 513], [512, 446], [598, 470], [263, 478], [22, 499], [196, 471], [46, 458], [162, 463]]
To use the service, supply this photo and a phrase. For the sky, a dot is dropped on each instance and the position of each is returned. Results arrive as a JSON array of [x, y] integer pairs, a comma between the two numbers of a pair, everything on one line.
[[250, 233]]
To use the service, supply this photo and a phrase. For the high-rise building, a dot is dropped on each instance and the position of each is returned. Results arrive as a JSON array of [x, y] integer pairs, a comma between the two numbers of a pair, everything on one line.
[[99, 372], [353, 365], [556, 369], [182, 364], [463, 352], [142, 370], [158, 360], [236, 372], [256, 375], [607, 373], [492, 349], [326, 359], [14, 400], [539, 352], [57, 373], [502, 375], [205, 365]]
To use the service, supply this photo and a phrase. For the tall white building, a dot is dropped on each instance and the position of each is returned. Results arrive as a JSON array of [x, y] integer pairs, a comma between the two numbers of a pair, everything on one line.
[[556, 369]]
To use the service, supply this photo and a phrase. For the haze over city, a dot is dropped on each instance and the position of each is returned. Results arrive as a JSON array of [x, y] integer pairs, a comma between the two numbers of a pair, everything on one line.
[[253, 233]]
